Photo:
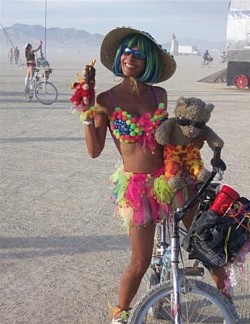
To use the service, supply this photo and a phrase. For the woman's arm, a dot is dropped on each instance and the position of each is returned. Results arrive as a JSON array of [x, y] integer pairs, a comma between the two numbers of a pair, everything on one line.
[[161, 95], [96, 129], [36, 49], [95, 134]]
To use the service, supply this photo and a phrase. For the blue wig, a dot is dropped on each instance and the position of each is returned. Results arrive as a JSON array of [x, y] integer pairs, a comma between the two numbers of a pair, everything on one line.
[[152, 62]]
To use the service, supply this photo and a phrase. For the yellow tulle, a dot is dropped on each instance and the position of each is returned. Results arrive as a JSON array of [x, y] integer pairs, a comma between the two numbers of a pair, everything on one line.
[[162, 190]]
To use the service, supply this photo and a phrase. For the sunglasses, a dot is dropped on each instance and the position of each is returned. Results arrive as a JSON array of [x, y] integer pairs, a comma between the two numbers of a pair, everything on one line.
[[182, 121], [136, 53]]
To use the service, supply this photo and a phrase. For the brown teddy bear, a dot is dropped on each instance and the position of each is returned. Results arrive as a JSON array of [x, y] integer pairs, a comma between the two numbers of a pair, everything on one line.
[[178, 135]]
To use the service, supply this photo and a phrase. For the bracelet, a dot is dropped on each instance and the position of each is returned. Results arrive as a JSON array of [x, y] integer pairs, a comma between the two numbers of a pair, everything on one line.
[[88, 122]]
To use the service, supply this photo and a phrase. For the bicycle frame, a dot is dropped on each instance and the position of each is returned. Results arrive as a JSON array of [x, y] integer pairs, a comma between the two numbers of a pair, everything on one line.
[[180, 299], [44, 76], [44, 90], [175, 240], [175, 252]]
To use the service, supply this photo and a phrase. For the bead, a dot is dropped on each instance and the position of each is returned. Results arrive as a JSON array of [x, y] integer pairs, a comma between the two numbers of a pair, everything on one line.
[[128, 129]]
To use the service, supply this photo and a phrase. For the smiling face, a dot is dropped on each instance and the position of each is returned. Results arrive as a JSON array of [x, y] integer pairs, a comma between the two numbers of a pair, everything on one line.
[[144, 66], [130, 65]]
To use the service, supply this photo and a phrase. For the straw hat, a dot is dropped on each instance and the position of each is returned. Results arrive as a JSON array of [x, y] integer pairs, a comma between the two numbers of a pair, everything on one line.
[[113, 39]]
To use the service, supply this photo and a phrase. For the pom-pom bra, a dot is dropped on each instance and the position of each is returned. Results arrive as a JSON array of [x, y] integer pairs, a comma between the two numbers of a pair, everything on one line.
[[129, 129]]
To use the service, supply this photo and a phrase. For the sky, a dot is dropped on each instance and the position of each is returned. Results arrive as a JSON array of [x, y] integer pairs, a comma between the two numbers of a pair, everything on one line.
[[203, 19]]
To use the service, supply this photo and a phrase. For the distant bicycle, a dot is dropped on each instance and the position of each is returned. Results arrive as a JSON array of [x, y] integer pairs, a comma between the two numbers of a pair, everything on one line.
[[207, 62], [44, 91]]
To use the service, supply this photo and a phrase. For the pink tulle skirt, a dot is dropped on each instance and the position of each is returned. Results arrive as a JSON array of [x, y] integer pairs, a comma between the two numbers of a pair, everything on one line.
[[143, 198]]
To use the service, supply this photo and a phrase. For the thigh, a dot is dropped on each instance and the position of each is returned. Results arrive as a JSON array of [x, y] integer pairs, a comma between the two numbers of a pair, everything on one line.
[[142, 241], [29, 71]]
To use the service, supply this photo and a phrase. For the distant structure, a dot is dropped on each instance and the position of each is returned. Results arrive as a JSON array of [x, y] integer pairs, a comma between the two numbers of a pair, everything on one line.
[[176, 49], [237, 72], [187, 50], [173, 45], [238, 44], [238, 24]]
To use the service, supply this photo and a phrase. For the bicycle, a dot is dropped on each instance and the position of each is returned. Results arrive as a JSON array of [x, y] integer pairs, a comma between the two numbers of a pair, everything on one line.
[[180, 299], [207, 63], [44, 91]]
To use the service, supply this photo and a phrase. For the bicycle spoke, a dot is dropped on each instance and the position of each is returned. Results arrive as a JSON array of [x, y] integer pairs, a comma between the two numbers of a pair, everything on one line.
[[200, 303]]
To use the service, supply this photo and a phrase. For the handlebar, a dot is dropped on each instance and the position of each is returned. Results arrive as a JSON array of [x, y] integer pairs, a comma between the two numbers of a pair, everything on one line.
[[218, 167]]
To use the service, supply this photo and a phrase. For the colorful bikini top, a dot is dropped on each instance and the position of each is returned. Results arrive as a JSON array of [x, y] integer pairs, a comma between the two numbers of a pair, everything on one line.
[[129, 129]]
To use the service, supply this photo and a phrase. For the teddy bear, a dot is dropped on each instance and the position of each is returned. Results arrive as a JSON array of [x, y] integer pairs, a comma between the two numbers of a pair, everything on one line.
[[179, 135], [85, 88]]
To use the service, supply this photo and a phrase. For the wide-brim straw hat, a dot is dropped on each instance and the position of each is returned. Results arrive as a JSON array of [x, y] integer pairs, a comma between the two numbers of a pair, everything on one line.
[[113, 39]]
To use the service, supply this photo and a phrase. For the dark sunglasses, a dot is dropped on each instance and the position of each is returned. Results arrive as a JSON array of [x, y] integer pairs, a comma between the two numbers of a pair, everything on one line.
[[136, 53], [182, 121]]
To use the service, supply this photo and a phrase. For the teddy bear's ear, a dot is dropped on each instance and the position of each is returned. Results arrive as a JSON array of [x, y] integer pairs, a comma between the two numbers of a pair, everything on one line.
[[209, 108], [180, 106], [181, 101]]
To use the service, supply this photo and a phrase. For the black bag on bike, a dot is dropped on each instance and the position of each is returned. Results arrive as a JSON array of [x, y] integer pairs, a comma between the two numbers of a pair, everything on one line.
[[215, 240]]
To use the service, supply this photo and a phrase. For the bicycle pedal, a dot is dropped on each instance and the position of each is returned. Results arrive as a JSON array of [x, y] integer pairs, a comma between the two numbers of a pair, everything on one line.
[[194, 271]]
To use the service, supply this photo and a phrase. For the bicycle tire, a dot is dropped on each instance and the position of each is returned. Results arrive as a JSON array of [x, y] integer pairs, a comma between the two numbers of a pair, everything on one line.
[[152, 279], [29, 90], [201, 303], [46, 92]]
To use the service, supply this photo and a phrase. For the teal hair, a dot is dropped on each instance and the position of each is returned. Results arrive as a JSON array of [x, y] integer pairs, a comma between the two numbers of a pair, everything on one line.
[[152, 63]]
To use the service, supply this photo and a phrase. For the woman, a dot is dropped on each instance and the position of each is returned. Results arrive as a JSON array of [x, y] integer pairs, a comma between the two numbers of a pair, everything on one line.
[[131, 111], [30, 61]]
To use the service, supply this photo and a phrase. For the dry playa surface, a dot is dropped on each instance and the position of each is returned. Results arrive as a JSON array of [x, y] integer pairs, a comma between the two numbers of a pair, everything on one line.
[[62, 251]]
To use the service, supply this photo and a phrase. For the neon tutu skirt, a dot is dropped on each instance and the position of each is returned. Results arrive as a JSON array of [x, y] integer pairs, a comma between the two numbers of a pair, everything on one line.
[[143, 198]]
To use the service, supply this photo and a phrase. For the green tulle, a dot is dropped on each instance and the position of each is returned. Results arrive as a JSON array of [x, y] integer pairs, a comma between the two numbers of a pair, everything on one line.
[[162, 190]]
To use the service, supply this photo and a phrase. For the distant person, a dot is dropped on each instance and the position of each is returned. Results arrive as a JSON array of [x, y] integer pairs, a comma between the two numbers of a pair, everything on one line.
[[223, 57], [207, 58], [16, 54], [30, 60], [11, 55]]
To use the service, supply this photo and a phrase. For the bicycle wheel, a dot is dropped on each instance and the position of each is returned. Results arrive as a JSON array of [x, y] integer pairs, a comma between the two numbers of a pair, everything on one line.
[[46, 93], [152, 279], [200, 303], [29, 90]]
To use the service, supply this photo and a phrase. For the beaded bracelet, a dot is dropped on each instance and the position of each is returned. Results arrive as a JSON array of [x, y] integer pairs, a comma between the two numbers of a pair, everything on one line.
[[88, 122], [84, 114]]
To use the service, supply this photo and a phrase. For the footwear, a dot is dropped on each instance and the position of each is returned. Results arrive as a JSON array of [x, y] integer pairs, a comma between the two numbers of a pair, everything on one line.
[[120, 316]]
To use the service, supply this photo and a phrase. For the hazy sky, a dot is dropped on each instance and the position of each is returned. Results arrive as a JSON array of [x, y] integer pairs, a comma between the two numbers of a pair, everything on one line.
[[205, 19]]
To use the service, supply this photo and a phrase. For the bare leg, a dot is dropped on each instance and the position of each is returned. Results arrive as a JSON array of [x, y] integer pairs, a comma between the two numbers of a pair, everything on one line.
[[142, 241], [28, 75], [219, 276]]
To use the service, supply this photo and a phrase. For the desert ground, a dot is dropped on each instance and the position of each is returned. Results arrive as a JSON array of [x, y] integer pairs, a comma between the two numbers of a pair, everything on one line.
[[62, 251]]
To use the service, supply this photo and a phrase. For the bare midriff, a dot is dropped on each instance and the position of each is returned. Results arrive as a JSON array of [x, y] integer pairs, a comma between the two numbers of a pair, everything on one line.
[[137, 160]]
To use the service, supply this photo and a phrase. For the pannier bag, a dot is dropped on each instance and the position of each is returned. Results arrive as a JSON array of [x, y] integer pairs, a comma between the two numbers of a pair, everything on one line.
[[214, 239]]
